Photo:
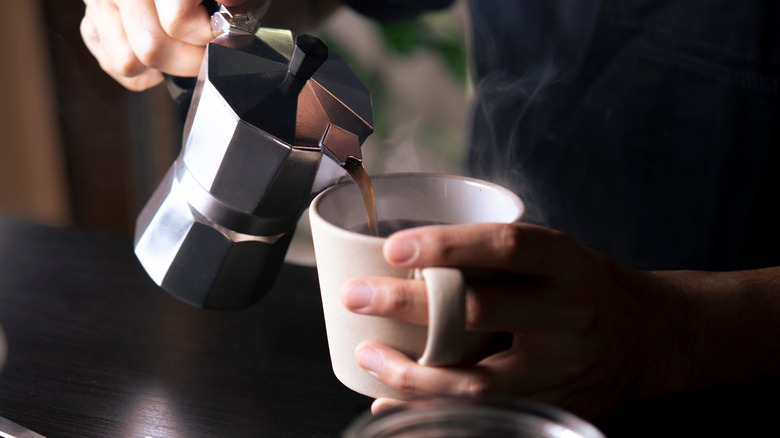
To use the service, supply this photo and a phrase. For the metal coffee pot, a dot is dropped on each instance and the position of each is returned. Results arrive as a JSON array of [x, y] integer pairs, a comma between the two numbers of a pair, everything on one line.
[[267, 106]]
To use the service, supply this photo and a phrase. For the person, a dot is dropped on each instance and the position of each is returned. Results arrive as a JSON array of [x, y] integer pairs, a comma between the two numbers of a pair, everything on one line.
[[642, 137]]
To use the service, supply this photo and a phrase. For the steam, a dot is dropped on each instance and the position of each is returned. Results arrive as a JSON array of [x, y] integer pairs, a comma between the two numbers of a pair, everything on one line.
[[501, 123], [525, 55], [401, 151]]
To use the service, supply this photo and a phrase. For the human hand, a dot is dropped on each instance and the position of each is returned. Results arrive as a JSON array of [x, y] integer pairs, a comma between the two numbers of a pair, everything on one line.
[[136, 41], [587, 333]]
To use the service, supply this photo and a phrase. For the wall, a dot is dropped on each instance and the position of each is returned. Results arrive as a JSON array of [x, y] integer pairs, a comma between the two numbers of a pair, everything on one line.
[[32, 174]]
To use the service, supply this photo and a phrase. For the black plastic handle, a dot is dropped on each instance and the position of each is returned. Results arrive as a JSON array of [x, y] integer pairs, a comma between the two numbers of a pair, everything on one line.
[[212, 7], [181, 87]]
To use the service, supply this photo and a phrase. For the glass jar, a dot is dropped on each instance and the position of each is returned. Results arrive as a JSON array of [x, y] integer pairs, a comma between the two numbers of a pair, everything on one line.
[[471, 418]]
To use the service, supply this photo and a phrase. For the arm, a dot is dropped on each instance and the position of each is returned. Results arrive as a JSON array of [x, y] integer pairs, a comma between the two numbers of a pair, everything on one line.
[[737, 324], [589, 334]]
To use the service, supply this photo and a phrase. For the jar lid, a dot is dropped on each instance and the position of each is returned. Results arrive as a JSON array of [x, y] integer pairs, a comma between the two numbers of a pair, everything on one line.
[[471, 418]]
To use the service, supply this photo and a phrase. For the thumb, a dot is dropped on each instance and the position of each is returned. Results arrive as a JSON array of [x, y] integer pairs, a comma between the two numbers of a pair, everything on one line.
[[246, 5], [258, 8], [232, 3]]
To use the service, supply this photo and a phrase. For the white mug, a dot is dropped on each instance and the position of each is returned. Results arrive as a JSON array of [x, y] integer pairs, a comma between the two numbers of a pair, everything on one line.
[[342, 253]]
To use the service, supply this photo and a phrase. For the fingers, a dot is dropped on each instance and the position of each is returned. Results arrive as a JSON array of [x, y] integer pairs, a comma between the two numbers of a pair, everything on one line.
[[233, 3], [135, 45], [532, 366], [101, 30], [184, 21], [152, 46], [383, 403], [488, 307], [401, 373], [407, 300], [534, 271], [531, 369], [518, 248], [389, 297]]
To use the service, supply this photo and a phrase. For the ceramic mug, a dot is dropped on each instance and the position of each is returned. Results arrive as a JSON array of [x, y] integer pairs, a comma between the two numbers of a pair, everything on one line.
[[342, 253]]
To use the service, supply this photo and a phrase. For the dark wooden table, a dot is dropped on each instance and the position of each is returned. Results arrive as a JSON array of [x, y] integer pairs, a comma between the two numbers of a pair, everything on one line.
[[96, 349]]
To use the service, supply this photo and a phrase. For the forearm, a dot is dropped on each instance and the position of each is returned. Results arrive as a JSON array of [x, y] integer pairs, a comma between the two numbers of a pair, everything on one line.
[[729, 322]]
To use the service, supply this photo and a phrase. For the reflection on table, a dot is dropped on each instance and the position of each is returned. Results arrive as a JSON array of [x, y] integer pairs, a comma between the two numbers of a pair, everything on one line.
[[97, 349]]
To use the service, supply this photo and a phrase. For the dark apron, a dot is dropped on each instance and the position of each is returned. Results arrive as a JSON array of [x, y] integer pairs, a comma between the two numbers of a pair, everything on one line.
[[644, 129]]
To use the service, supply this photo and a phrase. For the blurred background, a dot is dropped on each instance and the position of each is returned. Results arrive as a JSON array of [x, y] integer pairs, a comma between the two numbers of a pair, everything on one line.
[[77, 149]]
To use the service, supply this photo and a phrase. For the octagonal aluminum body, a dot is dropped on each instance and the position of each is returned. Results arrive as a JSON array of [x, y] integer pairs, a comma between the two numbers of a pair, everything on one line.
[[217, 228]]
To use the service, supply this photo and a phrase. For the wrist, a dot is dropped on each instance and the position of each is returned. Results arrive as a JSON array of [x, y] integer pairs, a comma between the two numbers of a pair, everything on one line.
[[665, 320], [711, 329]]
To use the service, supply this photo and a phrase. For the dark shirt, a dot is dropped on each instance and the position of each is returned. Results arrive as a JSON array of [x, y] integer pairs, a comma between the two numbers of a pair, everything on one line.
[[647, 129]]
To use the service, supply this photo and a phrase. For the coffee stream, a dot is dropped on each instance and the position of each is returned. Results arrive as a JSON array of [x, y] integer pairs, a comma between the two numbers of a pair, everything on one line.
[[359, 175], [373, 226]]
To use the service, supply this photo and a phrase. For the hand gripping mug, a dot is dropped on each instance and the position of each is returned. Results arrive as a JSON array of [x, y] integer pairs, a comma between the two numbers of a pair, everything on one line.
[[342, 252]]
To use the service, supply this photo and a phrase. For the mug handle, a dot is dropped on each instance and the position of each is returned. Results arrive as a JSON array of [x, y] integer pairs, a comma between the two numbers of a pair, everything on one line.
[[446, 290]]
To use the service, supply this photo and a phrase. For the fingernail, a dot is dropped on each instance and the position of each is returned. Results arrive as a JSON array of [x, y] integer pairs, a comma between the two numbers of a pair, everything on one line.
[[358, 295], [401, 251], [370, 360]]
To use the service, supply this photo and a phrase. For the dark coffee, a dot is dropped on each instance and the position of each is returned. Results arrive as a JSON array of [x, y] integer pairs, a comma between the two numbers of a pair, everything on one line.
[[388, 227]]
